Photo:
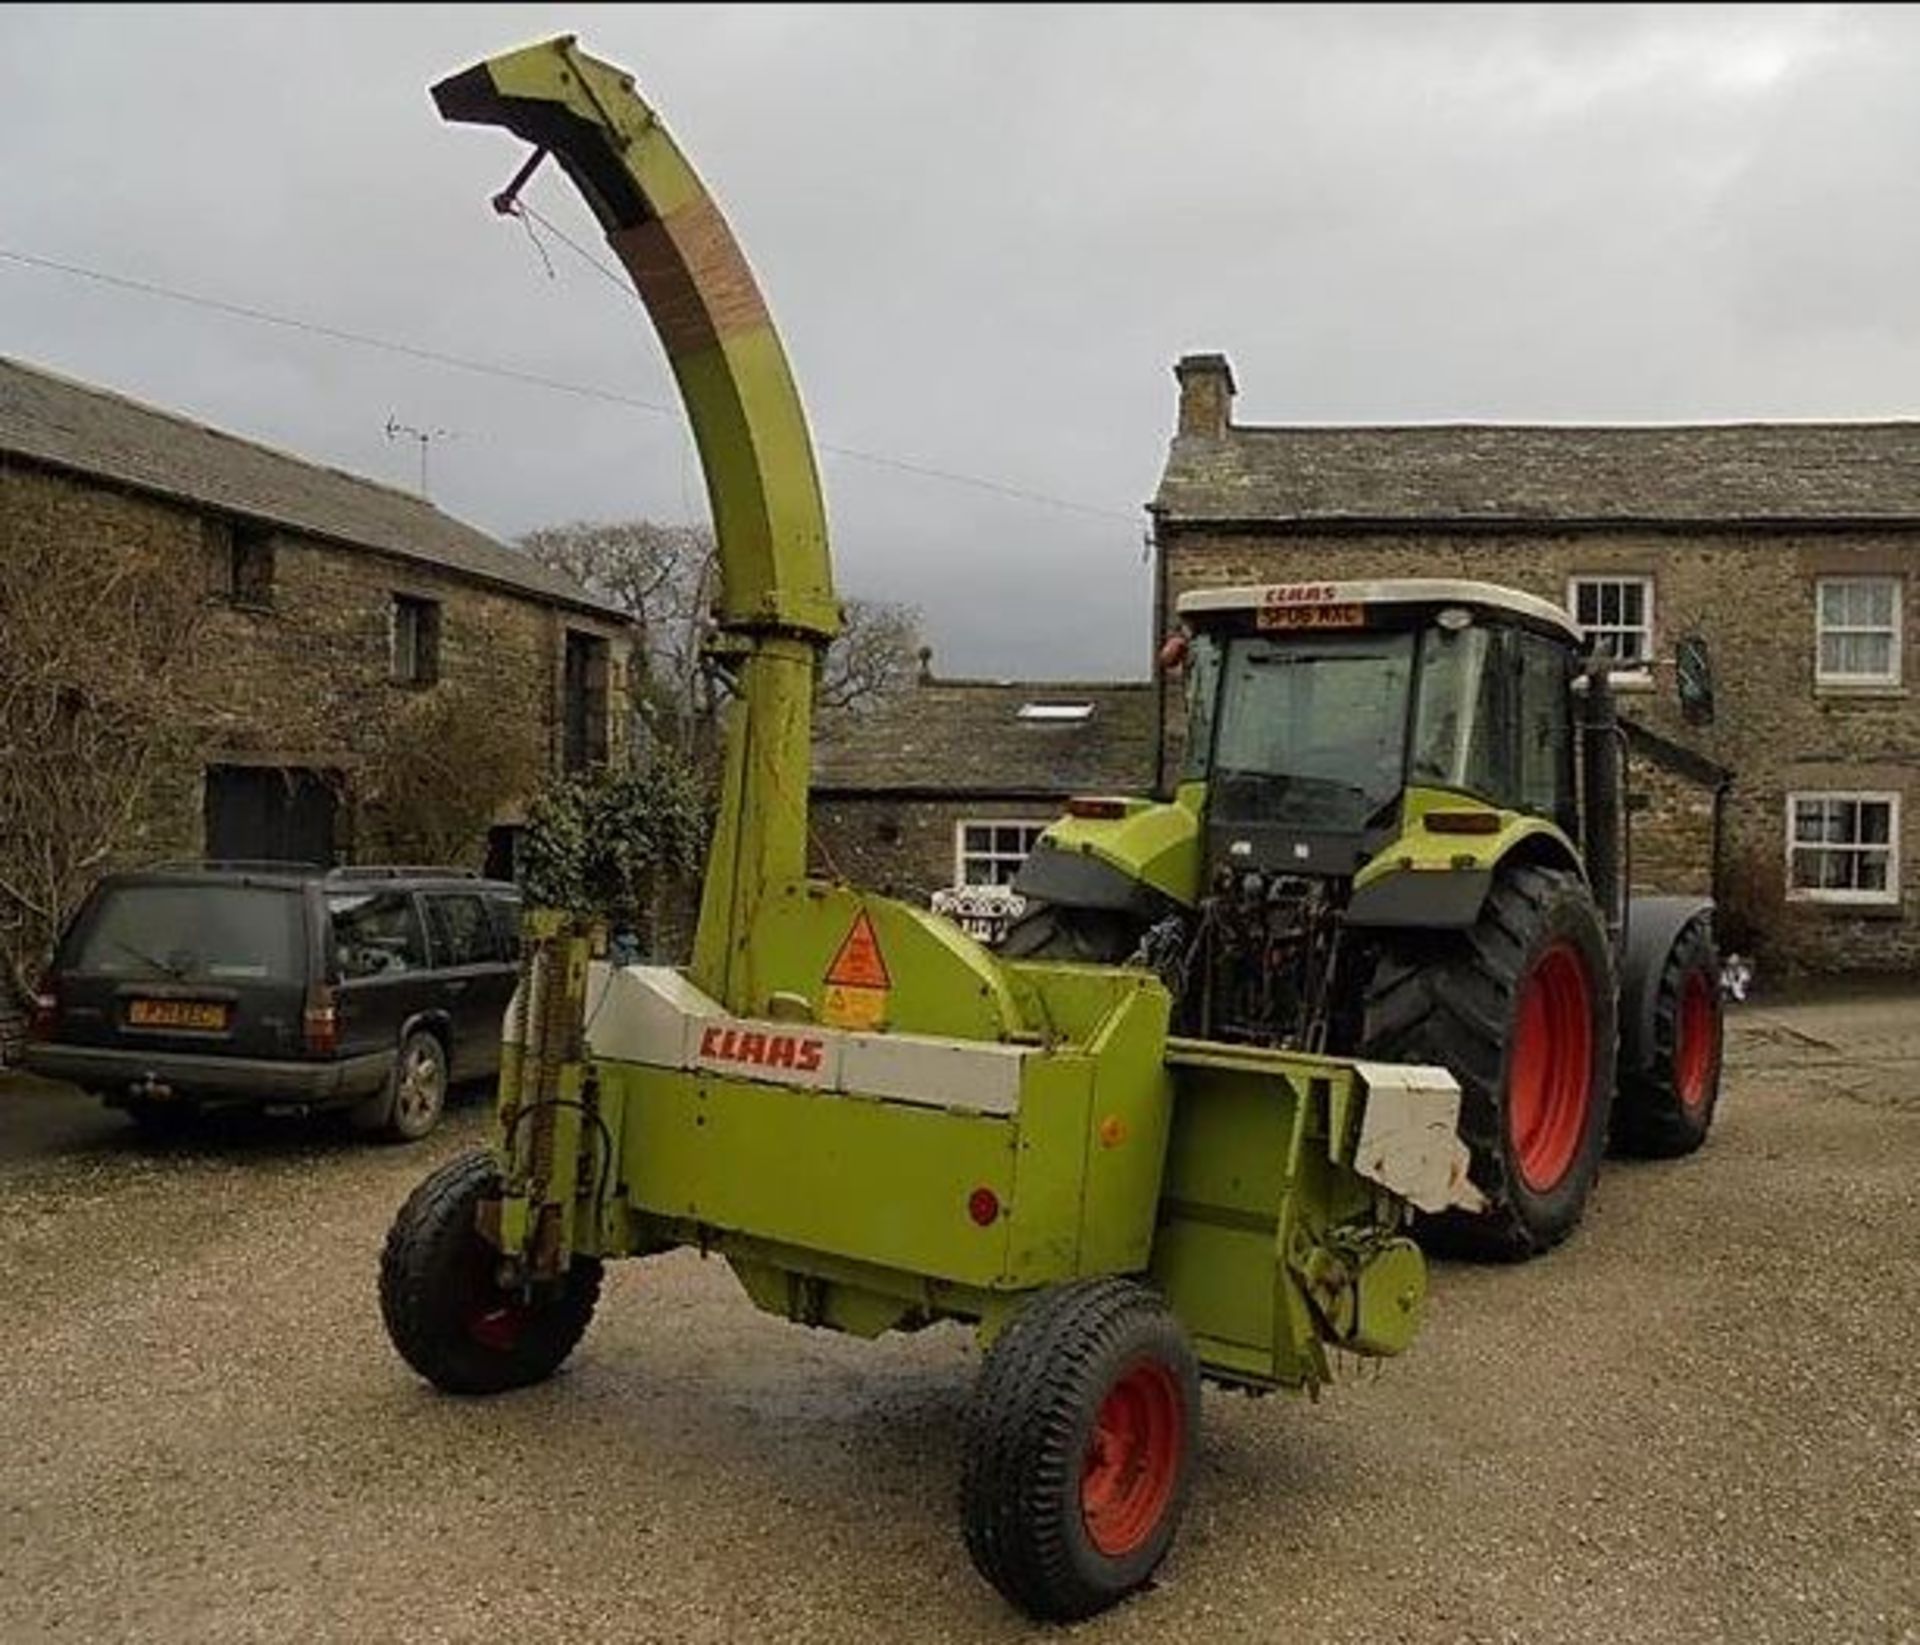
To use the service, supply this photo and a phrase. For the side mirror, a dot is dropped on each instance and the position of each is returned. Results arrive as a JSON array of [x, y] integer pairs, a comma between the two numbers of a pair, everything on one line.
[[1693, 678], [1173, 654]]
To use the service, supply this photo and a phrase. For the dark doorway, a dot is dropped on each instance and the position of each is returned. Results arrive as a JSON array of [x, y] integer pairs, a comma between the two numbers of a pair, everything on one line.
[[503, 851], [262, 813]]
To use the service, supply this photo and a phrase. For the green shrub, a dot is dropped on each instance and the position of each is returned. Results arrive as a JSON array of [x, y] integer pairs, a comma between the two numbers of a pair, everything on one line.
[[607, 842]]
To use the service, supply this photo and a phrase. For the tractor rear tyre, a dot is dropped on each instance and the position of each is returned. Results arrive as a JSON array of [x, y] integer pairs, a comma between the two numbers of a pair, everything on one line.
[[1666, 1109], [1521, 1009], [443, 1306], [1079, 1448]]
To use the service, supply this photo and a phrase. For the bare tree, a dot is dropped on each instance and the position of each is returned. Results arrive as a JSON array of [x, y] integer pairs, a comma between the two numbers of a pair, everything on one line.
[[98, 713], [666, 579]]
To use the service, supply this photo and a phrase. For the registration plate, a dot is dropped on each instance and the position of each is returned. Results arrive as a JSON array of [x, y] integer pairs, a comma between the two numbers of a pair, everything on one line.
[[203, 1014], [1312, 616]]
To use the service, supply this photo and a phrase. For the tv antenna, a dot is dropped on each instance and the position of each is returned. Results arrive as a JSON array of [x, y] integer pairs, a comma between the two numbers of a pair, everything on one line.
[[422, 437]]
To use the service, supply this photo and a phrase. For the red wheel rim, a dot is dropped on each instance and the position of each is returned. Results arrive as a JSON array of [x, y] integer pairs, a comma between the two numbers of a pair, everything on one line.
[[1696, 1040], [493, 1317], [1132, 1459], [497, 1326], [1550, 1074]]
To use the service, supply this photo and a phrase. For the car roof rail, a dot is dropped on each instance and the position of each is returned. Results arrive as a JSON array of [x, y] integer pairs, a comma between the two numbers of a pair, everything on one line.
[[249, 865], [400, 871]]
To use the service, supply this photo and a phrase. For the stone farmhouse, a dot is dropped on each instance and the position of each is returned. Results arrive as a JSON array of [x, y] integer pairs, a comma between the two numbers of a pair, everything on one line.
[[325, 607], [1780, 553]]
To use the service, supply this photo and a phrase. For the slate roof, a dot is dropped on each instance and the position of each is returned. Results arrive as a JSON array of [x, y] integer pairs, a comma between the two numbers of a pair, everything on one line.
[[958, 738], [1732, 473], [92, 431]]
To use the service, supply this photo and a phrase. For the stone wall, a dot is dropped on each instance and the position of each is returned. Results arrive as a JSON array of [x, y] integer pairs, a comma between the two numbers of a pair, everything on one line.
[[903, 846], [1751, 596], [305, 679]]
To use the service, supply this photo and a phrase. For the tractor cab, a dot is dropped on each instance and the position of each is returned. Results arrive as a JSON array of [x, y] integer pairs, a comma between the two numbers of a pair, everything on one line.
[[1320, 714]]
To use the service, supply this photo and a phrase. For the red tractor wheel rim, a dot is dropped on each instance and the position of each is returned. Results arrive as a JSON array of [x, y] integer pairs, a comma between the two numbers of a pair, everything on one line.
[[1550, 1077], [1132, 1459], [1696, 1040]]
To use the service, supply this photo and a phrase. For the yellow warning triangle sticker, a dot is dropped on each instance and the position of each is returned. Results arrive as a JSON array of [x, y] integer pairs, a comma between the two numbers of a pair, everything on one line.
[[858, 964]]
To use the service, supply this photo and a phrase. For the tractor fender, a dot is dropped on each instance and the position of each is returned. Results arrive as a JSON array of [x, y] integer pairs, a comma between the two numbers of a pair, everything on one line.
[[1654, 925], [1425, 882], [1446, 899]]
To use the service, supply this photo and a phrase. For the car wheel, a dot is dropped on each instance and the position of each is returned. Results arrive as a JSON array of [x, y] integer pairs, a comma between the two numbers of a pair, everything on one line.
[[415, 1095]]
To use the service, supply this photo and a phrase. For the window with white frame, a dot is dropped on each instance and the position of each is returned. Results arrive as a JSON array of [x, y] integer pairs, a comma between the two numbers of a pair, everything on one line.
[[1859, 631], [990, 853], [1617, 613], [1843, 847]]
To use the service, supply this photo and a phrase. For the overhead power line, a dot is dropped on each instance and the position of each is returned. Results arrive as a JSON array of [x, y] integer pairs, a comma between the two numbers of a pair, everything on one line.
[[530, 379]]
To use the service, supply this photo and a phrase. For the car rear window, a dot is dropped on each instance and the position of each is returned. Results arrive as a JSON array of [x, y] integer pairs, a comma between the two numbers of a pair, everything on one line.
[[193, 933]]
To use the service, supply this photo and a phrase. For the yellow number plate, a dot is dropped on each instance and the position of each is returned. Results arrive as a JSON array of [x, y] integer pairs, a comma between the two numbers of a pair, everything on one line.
[[176, 1014]]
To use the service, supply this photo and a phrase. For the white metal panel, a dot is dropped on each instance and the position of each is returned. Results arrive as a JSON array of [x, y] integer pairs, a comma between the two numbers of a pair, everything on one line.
[[641, 1013], [970, 1075], [1384, 591], [1410, 1136]]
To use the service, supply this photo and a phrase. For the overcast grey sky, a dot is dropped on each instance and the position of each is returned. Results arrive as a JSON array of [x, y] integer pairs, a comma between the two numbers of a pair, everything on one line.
[[986, 235]]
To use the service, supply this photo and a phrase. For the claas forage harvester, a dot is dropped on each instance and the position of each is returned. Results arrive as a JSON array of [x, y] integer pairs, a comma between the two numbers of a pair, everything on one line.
[[875, 1121]]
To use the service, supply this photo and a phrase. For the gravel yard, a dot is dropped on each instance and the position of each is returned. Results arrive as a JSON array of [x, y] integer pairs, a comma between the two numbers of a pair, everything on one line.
[[1698, 1421]]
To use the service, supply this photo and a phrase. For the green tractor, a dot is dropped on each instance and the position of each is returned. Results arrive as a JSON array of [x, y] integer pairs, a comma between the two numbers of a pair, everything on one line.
[[1399, 833]]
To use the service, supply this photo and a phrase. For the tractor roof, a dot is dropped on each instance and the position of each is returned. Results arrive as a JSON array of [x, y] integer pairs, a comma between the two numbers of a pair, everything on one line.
[[1398, 591]]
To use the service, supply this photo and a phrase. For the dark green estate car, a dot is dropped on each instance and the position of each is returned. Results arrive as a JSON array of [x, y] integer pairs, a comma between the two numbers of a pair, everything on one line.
[[191, 986]]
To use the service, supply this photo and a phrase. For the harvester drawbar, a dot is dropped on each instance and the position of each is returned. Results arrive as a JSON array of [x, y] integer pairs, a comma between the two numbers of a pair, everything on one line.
[[876, 1122]]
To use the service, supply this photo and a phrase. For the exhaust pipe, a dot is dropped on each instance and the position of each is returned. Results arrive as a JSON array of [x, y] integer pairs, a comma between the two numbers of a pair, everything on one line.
[[1603, 815]]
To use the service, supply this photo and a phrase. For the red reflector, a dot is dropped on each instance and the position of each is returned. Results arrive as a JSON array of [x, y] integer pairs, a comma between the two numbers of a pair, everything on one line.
[[43, 1011], [1462, 822], [983, 1205], [1108, 810], [320, 1022]]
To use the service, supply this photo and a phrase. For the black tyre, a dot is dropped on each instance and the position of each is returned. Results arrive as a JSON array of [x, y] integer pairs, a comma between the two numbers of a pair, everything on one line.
[[1521, 1010], [1079, 1448], [444, 1308], [414, 1098], [1666, 1109]]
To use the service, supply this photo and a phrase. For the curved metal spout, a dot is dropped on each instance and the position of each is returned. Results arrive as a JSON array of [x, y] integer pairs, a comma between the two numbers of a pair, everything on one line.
[[776, 588]]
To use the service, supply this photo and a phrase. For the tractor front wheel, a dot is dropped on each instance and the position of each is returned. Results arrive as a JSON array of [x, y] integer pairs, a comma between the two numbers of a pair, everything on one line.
[[1520, 1008], [443, 1304], [1079, 1448]]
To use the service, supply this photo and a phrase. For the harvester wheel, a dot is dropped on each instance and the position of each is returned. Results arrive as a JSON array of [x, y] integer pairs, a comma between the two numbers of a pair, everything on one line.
[[1079, 1448], [443, 1306], [1666, 1109], [1521, 1009]]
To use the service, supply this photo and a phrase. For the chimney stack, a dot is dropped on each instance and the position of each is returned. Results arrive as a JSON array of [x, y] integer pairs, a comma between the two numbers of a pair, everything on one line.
[[1206, 395]]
